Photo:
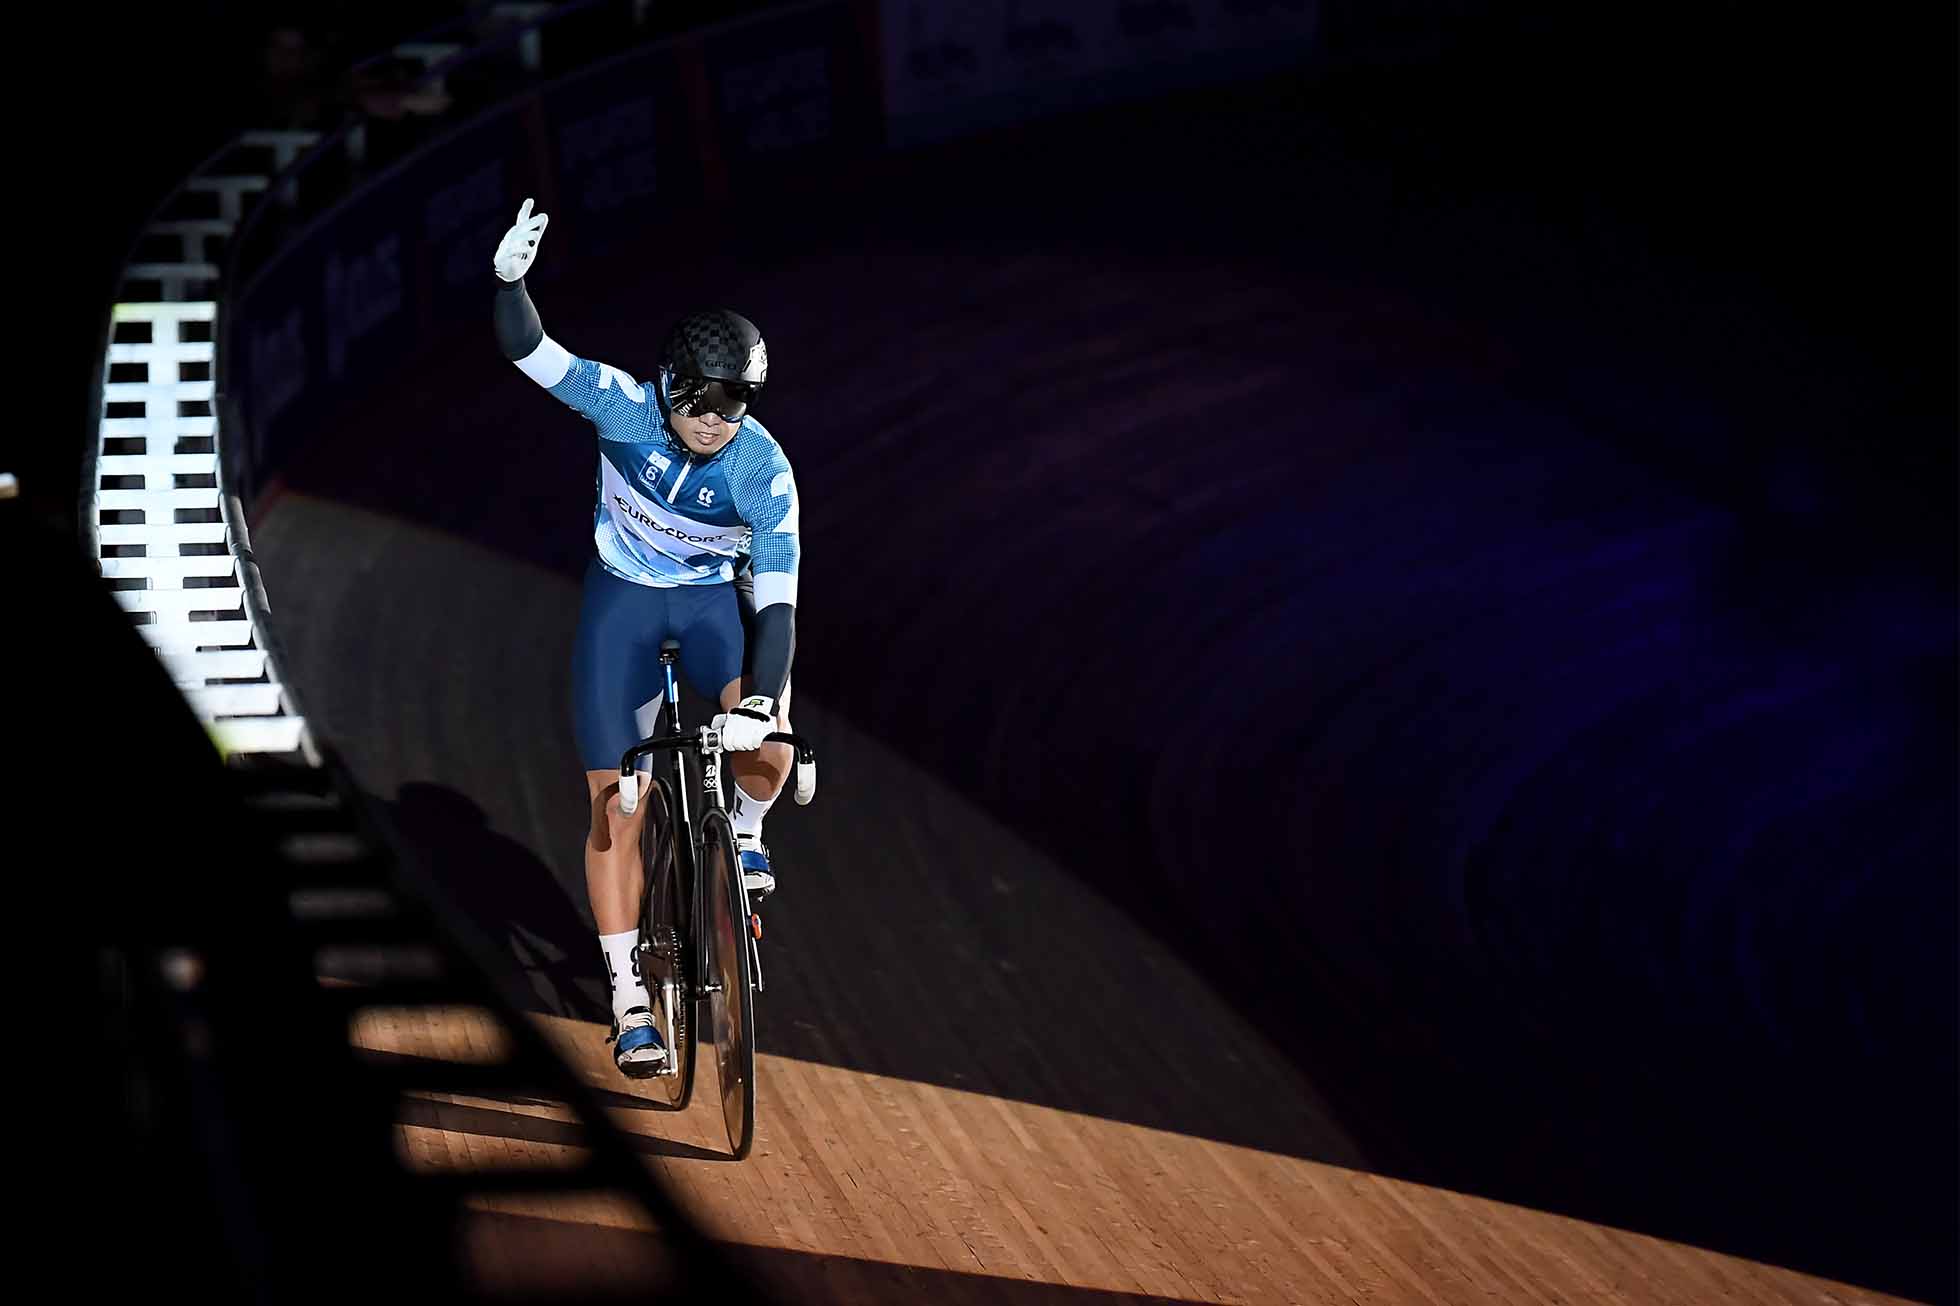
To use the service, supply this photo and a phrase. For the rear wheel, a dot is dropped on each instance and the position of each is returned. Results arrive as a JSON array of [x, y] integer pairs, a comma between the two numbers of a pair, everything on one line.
[[664, 952], [731, 1002]]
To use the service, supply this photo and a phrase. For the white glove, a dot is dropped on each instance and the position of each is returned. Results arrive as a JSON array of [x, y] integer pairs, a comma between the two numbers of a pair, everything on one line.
[[742, 730], [519, 245]]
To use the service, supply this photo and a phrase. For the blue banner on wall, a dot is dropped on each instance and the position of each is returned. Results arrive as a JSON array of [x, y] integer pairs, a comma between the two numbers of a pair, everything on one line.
[[797, 87], [350, 300], [353, 299], [955, 68], [622, 146], [607, 152]]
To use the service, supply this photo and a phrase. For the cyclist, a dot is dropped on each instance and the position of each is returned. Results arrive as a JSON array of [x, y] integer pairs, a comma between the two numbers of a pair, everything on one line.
[[695, 539]]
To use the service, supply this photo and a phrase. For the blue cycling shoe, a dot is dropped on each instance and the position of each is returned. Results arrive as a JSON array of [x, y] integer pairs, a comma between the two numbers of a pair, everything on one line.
[[637, 1049], [757, 878]]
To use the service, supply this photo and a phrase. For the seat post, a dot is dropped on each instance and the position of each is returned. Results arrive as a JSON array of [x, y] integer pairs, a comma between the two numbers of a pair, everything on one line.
[[670, 653]]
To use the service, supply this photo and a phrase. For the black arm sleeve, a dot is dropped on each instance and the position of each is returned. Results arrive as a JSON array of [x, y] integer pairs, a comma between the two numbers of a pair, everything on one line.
[[518, 328], [772, 647]]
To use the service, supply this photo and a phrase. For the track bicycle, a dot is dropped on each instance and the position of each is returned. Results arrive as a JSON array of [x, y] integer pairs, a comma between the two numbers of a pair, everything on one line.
[[700, 935]]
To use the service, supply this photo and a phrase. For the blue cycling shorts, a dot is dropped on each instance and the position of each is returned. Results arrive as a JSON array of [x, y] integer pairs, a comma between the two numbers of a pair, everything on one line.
[[616, 655]]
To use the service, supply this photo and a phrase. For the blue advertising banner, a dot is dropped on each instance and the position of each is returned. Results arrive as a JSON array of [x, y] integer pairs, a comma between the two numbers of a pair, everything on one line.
[[955, 68], [623, 148], [610, 152], [352, 299], [348, 302], [316, 322], [793, 87], [466, 206]]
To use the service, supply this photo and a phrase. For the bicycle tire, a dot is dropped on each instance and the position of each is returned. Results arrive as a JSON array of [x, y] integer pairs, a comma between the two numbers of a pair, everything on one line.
[[731, 1001], [665, 961]]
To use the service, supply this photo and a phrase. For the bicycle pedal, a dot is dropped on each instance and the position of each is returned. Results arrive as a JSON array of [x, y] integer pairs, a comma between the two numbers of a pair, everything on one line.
[[755, 926]]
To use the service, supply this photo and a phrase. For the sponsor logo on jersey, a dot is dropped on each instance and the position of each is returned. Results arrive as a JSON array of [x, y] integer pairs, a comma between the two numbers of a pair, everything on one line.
[[719, 540], [643, 536], [656, 467]]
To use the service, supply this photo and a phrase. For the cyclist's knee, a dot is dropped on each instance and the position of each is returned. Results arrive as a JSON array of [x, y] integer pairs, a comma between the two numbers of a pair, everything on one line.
[[609, 822], [766, 767]]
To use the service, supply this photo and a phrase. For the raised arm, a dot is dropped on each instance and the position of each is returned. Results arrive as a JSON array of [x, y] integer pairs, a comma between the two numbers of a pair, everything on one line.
[[519, 333], [593, 389]]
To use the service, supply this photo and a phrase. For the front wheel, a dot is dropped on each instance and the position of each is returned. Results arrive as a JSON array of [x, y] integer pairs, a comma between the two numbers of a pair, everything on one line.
[[665, 963], [731, 1002]]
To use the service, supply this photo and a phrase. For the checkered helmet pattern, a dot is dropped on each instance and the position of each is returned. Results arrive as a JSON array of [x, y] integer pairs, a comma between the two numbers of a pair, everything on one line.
[[717, 344]]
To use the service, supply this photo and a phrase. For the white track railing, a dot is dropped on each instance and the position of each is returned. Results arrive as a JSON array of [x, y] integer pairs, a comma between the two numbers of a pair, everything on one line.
[[171, 547], [168, 538]]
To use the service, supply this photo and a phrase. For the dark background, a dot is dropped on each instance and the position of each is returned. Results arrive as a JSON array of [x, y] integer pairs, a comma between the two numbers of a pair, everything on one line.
[[1719, 239], [1798, 165]]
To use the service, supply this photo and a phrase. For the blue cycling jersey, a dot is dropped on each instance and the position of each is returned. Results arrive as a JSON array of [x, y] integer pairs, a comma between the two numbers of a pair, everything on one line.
[[669, 517]]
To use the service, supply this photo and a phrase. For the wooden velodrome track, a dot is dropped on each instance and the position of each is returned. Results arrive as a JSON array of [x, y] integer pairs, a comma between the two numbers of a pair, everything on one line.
[[979, 1080], [1304, 817], [1098, 1121]]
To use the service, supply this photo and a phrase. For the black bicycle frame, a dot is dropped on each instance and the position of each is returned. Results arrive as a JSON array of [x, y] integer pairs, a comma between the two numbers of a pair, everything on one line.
[[708, 741]]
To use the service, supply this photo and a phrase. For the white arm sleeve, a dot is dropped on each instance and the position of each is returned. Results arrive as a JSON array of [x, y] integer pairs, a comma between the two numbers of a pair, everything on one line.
[[547, 364], [774, 587]]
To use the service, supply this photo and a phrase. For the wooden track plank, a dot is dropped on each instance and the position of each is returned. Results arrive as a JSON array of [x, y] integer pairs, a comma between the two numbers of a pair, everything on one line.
[[1051, 1148], [868, 1175]]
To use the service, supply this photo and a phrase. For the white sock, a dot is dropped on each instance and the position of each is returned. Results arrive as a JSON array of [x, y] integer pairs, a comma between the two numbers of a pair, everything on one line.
[[746, 815], [622, 953]]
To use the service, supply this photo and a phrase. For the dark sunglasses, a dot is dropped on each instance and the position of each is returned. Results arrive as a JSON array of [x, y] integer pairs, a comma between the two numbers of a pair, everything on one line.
[[696, 396]]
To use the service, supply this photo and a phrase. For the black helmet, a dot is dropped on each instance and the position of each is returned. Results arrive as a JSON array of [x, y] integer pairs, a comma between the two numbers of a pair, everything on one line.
[[715, 363]]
